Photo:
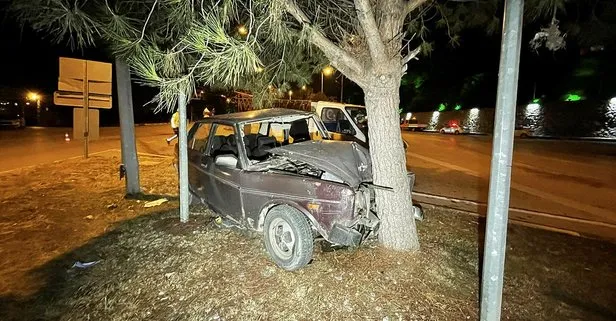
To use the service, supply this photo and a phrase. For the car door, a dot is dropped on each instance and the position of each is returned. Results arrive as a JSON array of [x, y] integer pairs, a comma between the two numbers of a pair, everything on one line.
[[222, 183], [197, 146]]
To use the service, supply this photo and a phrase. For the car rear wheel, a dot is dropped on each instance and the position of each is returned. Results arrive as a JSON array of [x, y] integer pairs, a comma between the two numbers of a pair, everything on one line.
[[457, 132], [288, 238], [442, 131]]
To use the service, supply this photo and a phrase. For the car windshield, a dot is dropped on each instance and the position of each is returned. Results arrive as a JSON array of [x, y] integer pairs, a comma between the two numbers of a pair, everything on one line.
[[260, 137], [359, 116]]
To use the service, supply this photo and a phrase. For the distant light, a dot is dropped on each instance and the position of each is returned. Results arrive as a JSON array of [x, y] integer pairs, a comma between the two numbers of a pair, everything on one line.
[[27, 103], [442, 107], [475, 110], [409, 115], [16, 104], [536, 100], [33, 96], [573, 97], [328, 70], [259, 69], [534, 106], [532, 109], [270, 86], [290, 92], [434, 119], [228, 100], [458, 107], [612, 105], [242, 30], [304, 87], [202, 92]]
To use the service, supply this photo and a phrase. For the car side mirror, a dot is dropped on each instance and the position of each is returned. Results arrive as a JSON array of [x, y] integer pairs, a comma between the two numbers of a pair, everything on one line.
[[228, 161]]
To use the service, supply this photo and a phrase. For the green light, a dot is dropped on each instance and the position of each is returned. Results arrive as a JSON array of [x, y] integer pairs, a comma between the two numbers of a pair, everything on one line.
[[573, 97], [536, 100], [442, 107], [458, 107]]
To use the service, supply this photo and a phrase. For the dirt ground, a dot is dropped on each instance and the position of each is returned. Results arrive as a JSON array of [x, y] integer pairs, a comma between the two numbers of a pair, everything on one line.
[[150, 266]]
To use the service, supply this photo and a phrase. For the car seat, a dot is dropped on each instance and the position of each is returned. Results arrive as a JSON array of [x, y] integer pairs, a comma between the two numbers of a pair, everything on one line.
[[299, 131]]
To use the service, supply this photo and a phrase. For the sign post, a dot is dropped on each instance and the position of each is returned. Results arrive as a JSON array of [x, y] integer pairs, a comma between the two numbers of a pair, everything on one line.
[[86, 113]]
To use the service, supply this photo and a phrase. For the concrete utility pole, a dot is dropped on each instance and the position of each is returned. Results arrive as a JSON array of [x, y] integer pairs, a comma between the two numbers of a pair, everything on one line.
[[500, 170], [127, 127], [184, 197]]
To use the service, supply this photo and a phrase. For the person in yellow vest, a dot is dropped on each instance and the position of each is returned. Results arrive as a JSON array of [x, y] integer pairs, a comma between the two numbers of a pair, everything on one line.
[[175, 125]]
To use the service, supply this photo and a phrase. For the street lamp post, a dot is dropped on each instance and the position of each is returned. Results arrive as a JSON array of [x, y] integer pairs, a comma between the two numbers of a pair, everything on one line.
[[326, 71], [290, 94], [36, 97]]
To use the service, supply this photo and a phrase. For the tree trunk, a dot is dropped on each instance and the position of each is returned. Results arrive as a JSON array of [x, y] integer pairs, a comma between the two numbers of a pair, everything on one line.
[[395, 208]]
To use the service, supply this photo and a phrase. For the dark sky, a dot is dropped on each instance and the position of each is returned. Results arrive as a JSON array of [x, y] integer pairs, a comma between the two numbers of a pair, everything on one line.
[[464, 75]]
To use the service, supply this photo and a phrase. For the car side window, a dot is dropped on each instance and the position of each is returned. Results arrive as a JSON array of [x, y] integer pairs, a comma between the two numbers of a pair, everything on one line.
[[199, 140], [223, 141], [335, 120]]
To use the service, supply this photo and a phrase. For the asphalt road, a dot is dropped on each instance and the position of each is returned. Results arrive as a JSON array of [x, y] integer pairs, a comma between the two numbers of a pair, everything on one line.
[[39, 145], [566, 185], [570, 183]]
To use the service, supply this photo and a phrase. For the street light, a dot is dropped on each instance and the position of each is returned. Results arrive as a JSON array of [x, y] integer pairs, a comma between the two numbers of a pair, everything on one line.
[[290, 94], [35, 97], [242, 30], [326, 71], [304, 87]]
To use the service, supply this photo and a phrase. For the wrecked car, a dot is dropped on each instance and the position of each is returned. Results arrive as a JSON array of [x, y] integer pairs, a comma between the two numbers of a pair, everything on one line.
[[277, 172]]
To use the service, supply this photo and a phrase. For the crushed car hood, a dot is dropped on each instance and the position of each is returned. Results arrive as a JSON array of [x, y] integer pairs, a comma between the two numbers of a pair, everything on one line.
[[347, 160]]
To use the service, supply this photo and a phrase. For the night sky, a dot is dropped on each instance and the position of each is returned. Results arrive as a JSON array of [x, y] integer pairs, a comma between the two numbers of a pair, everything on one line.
[[465, 75]]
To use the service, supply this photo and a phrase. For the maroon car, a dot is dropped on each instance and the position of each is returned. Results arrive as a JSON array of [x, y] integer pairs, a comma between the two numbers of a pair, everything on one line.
[[277, 172]]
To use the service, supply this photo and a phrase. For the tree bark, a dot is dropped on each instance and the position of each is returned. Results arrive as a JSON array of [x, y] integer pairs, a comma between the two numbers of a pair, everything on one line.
[[395, 207]]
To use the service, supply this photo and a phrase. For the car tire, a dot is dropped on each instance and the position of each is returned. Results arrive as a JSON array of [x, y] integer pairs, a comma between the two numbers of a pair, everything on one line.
[[442, 131], [457, 132], [288, 237]]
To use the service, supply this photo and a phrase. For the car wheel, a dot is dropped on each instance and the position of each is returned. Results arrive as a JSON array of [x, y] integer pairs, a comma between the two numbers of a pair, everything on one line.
[[523, 135], [457, 132], [442, 131], [288, 238]]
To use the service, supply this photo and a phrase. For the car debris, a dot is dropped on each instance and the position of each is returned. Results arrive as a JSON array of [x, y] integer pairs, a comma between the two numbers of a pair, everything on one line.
[[157, 202]]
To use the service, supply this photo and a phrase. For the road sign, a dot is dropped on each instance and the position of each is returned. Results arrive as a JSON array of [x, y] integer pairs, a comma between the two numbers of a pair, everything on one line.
[[69, 98], [71, 83], [84, 83]]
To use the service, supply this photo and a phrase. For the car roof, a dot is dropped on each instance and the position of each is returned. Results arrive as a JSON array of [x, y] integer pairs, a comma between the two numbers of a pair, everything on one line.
[[255, 115]]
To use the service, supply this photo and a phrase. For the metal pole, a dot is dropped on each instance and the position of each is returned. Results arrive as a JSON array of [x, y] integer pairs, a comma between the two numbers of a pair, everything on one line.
[[86, 112], [500, 170], [341, 87], [184, 210], [321, 81], [127, 127]]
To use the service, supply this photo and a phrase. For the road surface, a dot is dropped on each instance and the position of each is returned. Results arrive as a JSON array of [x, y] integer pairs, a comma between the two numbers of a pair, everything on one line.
[[573, 182], [39, 145], [566, 185]]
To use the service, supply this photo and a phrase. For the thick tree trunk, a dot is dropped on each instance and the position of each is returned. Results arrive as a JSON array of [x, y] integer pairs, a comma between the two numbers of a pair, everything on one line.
[[395, 207]]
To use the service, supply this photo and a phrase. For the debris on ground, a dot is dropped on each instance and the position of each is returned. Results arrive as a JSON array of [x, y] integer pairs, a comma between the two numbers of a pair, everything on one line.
[[157, 202], [84, 265]]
